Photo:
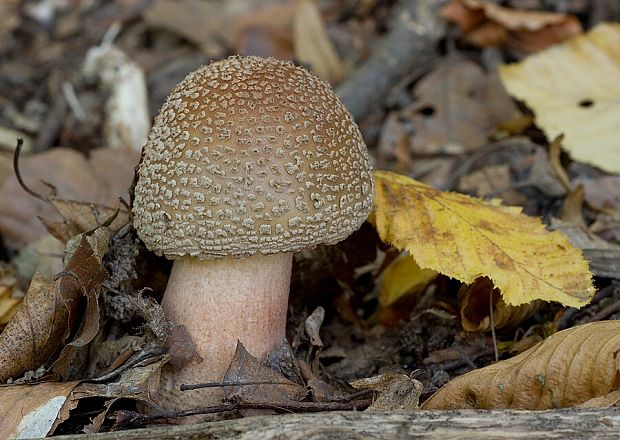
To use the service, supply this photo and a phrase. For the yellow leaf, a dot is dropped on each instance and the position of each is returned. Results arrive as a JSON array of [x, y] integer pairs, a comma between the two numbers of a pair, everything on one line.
[[312, 44], [574, 88], [566, 369], [403, 277], [466, 238]]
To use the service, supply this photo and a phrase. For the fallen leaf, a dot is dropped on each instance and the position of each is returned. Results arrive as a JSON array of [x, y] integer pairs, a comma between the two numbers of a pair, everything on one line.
[[574, 89], [458, 105], [403, 277], [51, 312], [212, 26], [29, 411], [565, 370], [395, 391], [81, 280], [137, 383], [486, 23], [10, 296], [9, 20], [264, 383], [100, 180], [313, 326], [465, 238], [601, 193], [312, 44], [181, 347], [611, 399], [475, 302]]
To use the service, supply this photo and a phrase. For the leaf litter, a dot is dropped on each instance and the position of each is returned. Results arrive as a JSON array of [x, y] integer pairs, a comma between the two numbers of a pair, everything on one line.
[[375, 320]]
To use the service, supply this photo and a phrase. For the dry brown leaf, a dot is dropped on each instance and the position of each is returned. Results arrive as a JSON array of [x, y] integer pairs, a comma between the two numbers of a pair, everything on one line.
[[49, 313], [465, 238], [272, 387], [565, 370], [396, 391], [574, 89], [99, 181], [611, 399], [457, 107], [475, 302], [29, 411], [81, 217], [9, 20], [214, 26], [486, 23], [312, 44]]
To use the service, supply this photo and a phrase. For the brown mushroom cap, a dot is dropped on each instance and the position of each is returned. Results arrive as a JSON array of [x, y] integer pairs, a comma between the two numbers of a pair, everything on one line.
[[251, 155]]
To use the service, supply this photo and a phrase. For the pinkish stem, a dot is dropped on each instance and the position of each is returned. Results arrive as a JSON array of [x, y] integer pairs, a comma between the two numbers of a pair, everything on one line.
[[220, 302]]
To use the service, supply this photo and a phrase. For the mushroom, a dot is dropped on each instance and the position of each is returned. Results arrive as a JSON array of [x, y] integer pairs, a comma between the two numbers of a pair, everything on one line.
[[248, 161]]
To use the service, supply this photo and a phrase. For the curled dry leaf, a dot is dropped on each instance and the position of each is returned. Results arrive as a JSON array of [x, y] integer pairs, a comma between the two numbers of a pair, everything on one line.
[[465, 238], [475, 303], [265, 384], [574, 89], [395, 391], [565, 370], [51, 312], [486, 23], [313, 326]]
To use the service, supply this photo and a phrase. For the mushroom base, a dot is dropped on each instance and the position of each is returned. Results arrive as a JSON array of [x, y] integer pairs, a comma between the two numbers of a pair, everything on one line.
[[220, 302]]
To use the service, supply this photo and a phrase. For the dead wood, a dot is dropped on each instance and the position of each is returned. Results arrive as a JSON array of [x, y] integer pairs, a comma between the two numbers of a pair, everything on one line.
[[507, 424], [411, 43]]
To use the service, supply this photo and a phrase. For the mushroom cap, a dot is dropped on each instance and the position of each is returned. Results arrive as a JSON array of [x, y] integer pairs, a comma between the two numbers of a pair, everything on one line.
[[251, 155]]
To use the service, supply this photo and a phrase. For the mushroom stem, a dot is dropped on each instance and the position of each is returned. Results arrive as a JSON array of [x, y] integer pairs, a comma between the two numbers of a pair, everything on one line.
[[219, 302]]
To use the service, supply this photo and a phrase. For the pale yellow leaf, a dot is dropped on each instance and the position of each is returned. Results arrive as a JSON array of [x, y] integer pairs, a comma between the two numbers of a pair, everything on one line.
[[312, 44], [466, 238], [574, 88], [403, 277], [568, 368]]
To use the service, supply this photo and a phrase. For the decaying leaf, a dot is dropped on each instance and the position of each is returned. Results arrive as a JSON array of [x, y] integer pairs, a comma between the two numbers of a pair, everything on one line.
[[52, 311], [101, 180], [403, 277], [265, 384], [29, 411], [475, 303], [395, 391], [138, 383], [465, 238], [313, 326], [312, 44], [565, 370], [81, 217], [486, 23], [574, 88], [457, 107], [213, 26]]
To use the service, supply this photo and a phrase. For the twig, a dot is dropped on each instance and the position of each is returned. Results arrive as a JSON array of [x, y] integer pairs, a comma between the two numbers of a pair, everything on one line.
[[127, 365], [411, 42], [493, 327], [18, 175], [72, 100], [185, 387]]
